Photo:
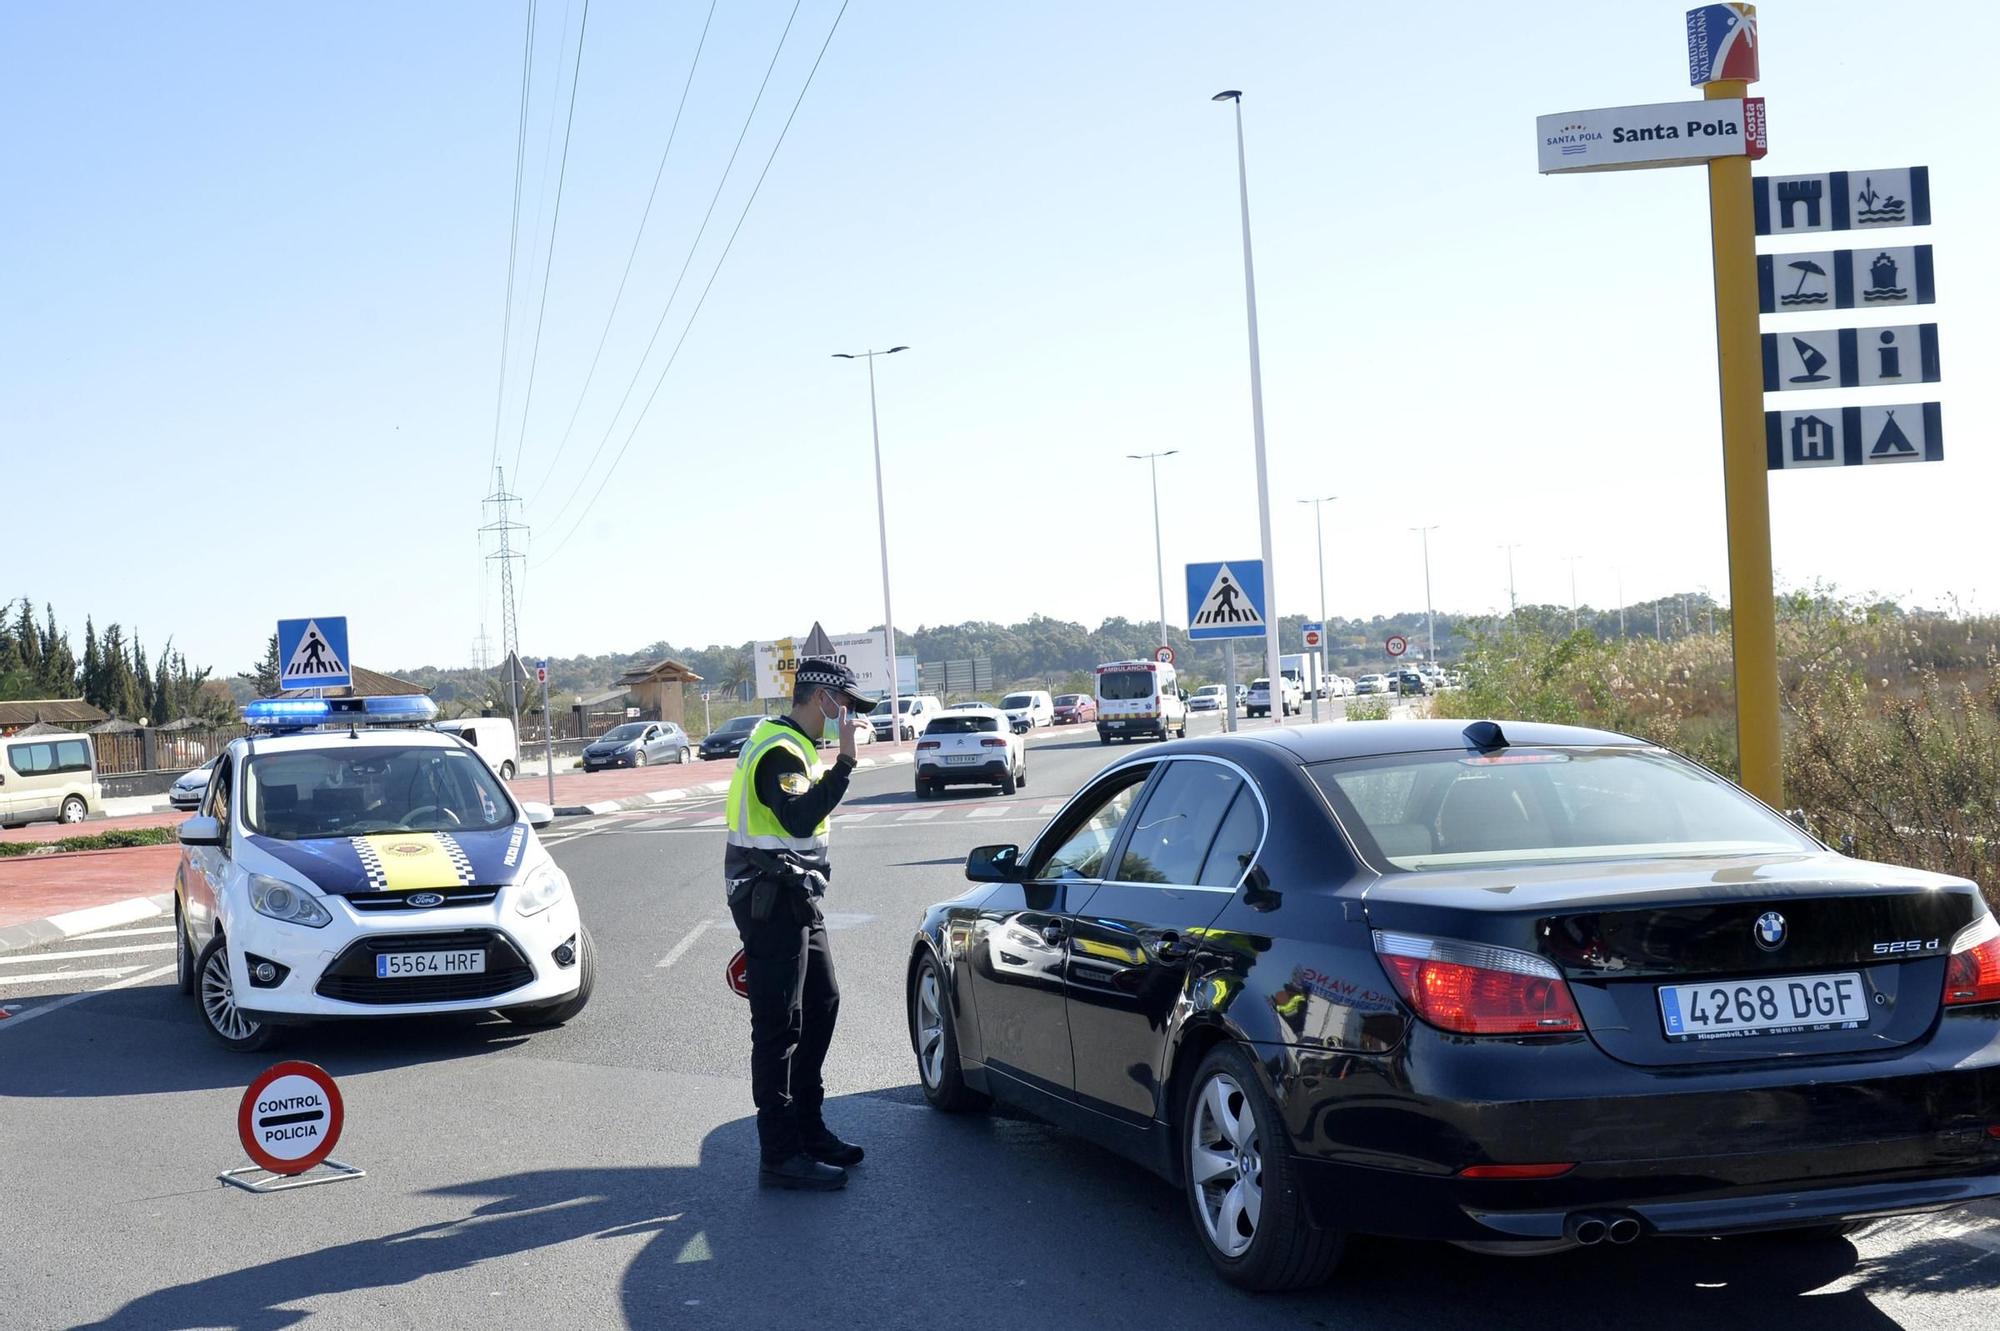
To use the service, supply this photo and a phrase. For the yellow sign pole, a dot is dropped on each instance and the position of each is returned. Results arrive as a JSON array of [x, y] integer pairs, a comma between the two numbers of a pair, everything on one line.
[[1745, 474]]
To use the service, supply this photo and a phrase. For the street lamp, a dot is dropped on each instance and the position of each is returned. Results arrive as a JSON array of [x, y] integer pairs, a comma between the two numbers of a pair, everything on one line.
[[1513, 603], [1271, 648], [882, 523], [1430, 625], [1152, 461], [1319, 535], [1573, 622]]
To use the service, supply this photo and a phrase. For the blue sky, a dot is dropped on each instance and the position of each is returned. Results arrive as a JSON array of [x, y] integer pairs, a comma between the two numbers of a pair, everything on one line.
[[253, 261]]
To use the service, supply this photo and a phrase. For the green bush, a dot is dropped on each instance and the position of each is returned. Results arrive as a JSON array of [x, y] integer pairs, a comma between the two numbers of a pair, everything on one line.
[[117, 838]]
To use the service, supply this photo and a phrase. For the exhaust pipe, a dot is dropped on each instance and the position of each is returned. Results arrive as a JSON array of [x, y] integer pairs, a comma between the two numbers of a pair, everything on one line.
[[1587, 1230], [1624, 1229]]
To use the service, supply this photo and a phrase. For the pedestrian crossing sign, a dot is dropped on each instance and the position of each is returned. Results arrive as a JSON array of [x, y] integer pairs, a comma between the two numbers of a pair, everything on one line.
[[1226, 600], [313, 653]]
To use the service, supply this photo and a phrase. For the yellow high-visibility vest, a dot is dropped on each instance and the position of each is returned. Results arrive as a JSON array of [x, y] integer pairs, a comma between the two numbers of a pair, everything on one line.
[[752, 822]]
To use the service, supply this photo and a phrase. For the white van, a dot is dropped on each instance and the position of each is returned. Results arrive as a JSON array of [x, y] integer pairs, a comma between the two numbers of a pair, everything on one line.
[[48, 777], [492, 738], [1029, 708], [1139, 698], [918, 709]]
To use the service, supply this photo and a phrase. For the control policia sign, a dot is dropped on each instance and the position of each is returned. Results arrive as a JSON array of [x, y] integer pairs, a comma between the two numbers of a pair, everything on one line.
[[289, 1121]]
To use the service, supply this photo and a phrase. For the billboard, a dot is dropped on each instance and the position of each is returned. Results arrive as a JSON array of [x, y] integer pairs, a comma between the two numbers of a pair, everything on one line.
[[866, 654]]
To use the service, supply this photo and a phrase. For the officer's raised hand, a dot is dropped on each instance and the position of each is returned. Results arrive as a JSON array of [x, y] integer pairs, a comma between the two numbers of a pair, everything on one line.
[[849, 722]]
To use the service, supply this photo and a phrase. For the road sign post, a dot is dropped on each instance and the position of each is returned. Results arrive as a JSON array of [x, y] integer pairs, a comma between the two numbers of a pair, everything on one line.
[[289, 1121], [1229, 689], [548, 728], [1313, 635]]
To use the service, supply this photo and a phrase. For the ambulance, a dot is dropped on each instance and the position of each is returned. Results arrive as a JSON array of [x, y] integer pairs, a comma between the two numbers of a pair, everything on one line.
[[1136, 698]]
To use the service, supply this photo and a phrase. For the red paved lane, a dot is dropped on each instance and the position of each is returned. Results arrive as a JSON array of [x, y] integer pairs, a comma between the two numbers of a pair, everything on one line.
[[90, 827], [36, 887]]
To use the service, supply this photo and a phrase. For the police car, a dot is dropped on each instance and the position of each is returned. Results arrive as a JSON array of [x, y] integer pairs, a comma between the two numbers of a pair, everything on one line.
[[346, 863]]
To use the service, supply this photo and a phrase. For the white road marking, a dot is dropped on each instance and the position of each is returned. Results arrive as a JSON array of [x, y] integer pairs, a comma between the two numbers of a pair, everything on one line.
[[844, 819], [122, 933], [995, 811], [680, 948], [1050, 810], [650, 824], [717, 821], [86, 952], [59, 1004], [45, 977], [919, 815]]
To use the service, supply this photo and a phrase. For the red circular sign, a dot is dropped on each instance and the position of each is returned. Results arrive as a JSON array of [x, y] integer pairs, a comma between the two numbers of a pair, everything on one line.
[[1312, 637], [290, 1117], [737, 974], [1397, 644], [1164, 655]]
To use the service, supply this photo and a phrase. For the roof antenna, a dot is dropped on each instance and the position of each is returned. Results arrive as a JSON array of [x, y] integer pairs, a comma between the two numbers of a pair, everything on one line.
[[1485, 735]]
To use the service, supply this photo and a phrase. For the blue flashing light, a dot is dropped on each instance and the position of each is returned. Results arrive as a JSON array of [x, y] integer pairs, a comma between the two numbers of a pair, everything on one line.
[[410, 708], [285, 713], [305, 713]]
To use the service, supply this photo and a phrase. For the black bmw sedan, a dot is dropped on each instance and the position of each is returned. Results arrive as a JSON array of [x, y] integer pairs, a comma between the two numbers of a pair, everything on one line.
[[1520, 987]]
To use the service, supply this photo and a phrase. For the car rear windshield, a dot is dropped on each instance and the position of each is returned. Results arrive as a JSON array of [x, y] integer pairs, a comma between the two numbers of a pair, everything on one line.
[[1018, 700], [1125, 685], [962, 725], [309, 794], [1418, 811]]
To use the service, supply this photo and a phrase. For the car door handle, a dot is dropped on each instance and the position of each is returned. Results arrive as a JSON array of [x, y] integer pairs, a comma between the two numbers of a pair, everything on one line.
[[1170, 946], [1054, 931]]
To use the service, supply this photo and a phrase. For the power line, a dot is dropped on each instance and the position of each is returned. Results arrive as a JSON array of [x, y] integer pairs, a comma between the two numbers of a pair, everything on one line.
[[644, 217], [555, 221], [717, 272], [640, 368], [514, 227]]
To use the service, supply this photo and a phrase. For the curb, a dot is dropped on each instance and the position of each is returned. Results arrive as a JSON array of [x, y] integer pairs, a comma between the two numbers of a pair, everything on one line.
[[43, 856], [15, 937]]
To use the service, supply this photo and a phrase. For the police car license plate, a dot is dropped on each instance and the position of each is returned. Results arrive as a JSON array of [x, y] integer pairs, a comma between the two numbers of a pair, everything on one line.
[[400, 965], [1786, 1004]]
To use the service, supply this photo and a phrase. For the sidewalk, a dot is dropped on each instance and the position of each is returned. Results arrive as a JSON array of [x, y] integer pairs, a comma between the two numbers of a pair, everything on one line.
[[582, 793], [45, 898], [91, 826]]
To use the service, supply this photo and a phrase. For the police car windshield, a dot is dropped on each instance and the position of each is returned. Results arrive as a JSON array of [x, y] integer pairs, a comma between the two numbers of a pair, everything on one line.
[[307, 794]]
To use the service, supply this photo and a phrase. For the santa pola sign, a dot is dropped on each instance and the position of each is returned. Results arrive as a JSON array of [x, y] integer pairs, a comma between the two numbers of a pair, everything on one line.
[[1621, 138]]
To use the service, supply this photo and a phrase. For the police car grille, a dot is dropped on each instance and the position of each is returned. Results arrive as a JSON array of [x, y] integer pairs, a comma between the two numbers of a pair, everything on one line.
[[380, 901], [351, 977]]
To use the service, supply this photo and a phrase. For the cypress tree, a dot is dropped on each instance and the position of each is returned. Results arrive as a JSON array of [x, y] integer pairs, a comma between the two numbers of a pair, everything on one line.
[[93, 667]]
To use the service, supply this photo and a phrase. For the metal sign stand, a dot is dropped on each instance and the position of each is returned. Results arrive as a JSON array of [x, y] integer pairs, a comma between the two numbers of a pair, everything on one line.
[[327, 1171]]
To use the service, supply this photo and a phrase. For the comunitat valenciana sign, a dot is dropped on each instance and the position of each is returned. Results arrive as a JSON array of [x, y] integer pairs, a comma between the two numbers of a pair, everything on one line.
[[1625, 138]]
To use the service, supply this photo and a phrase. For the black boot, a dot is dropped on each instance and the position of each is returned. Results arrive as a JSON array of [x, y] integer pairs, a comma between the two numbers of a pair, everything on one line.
[[823, 1146], [801, 1173]]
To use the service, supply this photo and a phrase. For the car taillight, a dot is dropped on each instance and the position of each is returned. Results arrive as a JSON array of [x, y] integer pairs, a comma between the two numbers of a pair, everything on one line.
[[992, 743], [926, 744], [1516, 1171], [1973, 973], [1474, 989]]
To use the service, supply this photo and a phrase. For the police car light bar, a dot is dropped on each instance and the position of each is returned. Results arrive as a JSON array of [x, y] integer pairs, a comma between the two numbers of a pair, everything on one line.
[[304, 713]]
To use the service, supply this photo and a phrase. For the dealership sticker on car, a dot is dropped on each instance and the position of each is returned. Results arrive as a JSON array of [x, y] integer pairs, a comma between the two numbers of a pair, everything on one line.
[[1781, 1005], [397, 965]]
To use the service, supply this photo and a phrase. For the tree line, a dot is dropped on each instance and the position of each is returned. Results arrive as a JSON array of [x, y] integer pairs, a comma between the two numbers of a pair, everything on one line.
[[113, 673]]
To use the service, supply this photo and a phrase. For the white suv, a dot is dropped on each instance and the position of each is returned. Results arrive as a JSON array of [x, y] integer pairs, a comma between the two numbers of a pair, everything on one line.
[[1293, 699], [973, 745]]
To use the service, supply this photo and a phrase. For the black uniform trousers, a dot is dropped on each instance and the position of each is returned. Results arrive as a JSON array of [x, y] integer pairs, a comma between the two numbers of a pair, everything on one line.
[[794, 1000]]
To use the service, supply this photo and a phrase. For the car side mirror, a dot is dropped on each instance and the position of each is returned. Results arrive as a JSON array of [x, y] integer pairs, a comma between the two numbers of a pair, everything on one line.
[[538, 815], [994, 864], [201, 832]]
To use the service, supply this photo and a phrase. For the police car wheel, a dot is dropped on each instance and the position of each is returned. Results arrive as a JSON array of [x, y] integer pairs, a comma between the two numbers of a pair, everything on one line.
[[183, 955], [555, 1014], [225, 1021], [1242, 1184], [935, 1045]]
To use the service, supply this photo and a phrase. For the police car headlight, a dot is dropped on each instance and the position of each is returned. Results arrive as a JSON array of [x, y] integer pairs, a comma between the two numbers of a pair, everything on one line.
[[542, 888], [288, 902]]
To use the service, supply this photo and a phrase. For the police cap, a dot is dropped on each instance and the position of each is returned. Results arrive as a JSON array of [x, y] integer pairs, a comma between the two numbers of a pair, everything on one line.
[[823, 674]]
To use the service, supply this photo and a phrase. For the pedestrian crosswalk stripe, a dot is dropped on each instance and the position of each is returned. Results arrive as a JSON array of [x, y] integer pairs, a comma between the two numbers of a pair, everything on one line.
[[45, 977], [1048, 810], [919, 815], [717, 821], [852, 817], [993, 811], [86, 952], [648, 824], [122, 933]]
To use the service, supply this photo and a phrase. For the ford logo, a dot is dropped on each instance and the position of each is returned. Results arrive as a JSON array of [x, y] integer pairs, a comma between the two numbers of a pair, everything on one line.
[[1770, 931], [423, 899]]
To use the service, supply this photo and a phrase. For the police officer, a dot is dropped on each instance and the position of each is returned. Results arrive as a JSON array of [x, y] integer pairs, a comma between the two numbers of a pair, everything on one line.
[[780, 798]]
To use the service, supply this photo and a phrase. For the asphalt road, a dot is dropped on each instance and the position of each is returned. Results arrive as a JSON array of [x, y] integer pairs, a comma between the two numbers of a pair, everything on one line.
[[603, 1174]]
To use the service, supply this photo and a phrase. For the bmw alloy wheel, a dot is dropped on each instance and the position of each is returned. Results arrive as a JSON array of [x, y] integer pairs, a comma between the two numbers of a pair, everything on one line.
[[1226, 1165], [930, 1029], [218, 999]]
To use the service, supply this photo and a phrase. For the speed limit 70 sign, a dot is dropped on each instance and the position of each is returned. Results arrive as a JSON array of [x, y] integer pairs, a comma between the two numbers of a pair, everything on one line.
[[1397, 644]]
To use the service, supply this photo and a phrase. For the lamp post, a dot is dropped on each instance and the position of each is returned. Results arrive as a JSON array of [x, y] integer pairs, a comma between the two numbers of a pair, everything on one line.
[[1319, 537], [882, 524], [1573, 621], [1430, 625], [1513, 603], [1152, 461], [1271, 647]]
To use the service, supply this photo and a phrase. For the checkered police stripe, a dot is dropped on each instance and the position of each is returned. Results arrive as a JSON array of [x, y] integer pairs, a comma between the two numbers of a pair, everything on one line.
[[371, 863], [460, 864]]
